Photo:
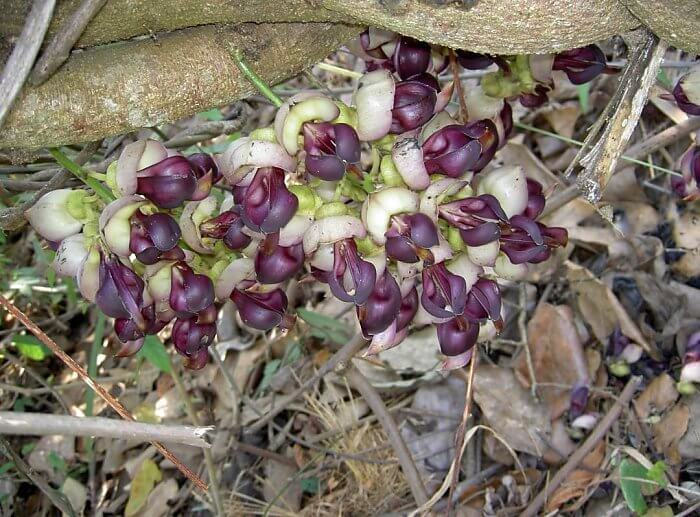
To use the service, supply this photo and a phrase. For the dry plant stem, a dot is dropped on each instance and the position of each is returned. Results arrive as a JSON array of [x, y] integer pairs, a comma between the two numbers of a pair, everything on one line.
[[339, 360], [43, 424], [586, 447], [12, 218], [59, 500], [374, 401], [63, 40], [454, 67], [38, 378], [474, 481], [104, 394], [27, 47], [208, 458], [461, 431], [648, 146], [522, 328]]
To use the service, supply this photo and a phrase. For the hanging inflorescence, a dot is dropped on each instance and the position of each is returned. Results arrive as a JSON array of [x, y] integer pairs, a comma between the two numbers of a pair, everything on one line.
[[391, 202]]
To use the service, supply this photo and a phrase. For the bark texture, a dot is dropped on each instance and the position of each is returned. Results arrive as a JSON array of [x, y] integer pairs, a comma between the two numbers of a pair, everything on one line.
[[676, 21], [116, 88]]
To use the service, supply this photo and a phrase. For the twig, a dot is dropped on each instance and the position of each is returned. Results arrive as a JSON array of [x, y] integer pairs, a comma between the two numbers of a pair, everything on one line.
[[338, 360], [13, 218], [462, 431], [61, 44], [205, 131], [208, 458], [522, 328], [454, 66], [264, 453], [104, 394], [474, 481], [38, 378], [27, 47], [90, 402], [374, 401], [43, 424], [58, 499], [339, 70], [648, 146], [586, 447]]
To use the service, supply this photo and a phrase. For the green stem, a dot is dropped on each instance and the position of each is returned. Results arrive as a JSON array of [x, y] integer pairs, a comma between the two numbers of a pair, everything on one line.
[[256, 80], [99, 176], [79, 173], [580, 144], [90, 396], [339, 70]]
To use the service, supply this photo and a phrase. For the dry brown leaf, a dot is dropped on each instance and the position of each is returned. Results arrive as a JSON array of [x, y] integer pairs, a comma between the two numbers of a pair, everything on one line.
[[563, 119], [510, 410], [639, 218], [657, 397], [689, 445], [579, 481], [518, 154], [686, 231], [557, 355], [624, 186], [601, 309], [668, 432]]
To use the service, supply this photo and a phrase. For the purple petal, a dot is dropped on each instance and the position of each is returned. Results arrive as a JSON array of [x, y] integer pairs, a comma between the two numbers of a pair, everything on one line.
[[411, 57], [382, 306], [261, 311], [414, 103], [167, 183], [274, 263], [457, 335]]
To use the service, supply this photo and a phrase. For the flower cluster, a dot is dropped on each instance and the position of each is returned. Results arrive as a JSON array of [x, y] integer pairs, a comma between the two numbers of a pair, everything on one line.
[[391, 202]]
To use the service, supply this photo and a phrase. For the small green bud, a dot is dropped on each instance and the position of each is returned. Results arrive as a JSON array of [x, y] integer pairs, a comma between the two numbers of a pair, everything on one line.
[[309, 201], [499, 86], [112, 178], [218, 268], [347, 115], [77, 205], [619, 368], [390, 176], [266, 134], [330, 209], [386, 143], [455, 240], [367, 247], [686, 388]]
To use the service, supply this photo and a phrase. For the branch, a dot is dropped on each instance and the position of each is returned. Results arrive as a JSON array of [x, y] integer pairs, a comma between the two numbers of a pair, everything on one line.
[[374, 401], [339, 361], [587, 446], [27, 47], [103, 393], [42, 424], [63, 40]]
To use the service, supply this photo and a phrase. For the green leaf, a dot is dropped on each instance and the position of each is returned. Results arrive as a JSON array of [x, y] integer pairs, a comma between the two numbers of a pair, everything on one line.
[[6, 467], [324, 327], [213, 114], [30, 347], [155, 353], [27, 448], [663, 79], [270, 369], [583, 91], [311, 485], [657, 473], [141, 486], [632, 488], [57, 462]]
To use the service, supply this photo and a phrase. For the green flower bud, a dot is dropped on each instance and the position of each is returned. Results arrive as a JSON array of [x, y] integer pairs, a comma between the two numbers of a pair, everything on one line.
[[686, 388], [77, 205], [386, 143], [330, 209], [309, 202], [619, 368], [112, 178], [347, 115], [367, 247], [266, 134], [390, 176], [454, 239]]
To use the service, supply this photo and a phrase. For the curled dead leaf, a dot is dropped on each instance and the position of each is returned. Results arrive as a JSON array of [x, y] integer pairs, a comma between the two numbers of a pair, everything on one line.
[[657, 397]]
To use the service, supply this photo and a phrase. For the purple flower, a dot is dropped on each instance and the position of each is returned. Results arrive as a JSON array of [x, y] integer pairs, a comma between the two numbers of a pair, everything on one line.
[[414, 104], [687, 94], [529, 241], [578, 400], [407, 310], [120, 294], [207, 173], [692, 349], [227, 226], [330, 149], [154, 237], [410, 236], [536, 98], [535, 199], [477, 218], [456, 149], [457, 336], [483, 301], [260, 310], [444, 293], [268, 205], [192, 336], [686, 186], [474, 60], [381, 307], [190, 293], [167, 183], [350, 270], [275, 263], [581, 65], [411, 57]]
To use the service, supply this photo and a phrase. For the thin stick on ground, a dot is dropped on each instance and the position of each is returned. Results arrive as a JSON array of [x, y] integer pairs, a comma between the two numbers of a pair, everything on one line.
[[58, 499], [462, 431], [522, 328], [374, 401], [338, 360], [63, 40], [104, 394], [586, 447], [26, 48], [208, 458], [43, 424], [38, 378], [454, 66]]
